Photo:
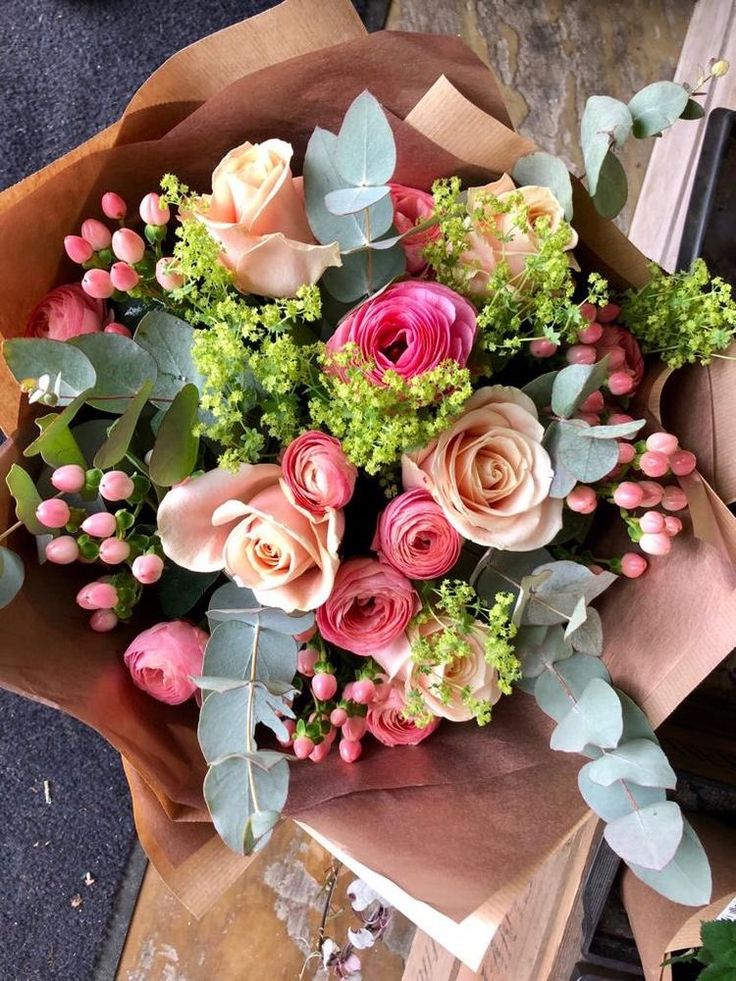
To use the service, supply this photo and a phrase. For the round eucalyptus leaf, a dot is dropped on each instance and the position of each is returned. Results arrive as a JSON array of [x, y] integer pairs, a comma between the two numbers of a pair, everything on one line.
[[605, 122], [588, 459], [545, 170], [561, 685], [649, 836], [12, 575], [595, 719], [687, 877], [366, 151], [611, 803], [243, 799], [574, 384], [122, 367], [639, 760], [656, 107], [613, 187], [169, 342], [349, 200]]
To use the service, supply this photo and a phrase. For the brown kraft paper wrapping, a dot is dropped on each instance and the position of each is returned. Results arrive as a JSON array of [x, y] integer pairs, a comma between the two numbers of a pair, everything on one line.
[[488, 806]]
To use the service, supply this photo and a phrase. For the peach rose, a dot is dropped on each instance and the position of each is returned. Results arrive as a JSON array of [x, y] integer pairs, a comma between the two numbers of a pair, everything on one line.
[[244, 523], [386, 722], [490, 473], [495, 238], [256, 211]]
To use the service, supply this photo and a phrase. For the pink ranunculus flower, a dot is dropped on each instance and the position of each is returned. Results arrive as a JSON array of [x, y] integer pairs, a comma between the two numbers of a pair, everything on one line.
[[162, 659], [410, 328], [415, 537], [317, 473], [490, 473], [369, 607], [495, 238], [65, 312], [412, 207], [245, 523], [256, 211], [614, 337], [386, 722]]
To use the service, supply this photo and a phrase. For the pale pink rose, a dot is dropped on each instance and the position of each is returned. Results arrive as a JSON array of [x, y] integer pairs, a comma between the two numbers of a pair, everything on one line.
[[65, 312], [256, 211], [490, 473], [414, 536], [410, 328], [162, 659], [470, 671], [246, 524], [317, 472], [386, 722], [369, 607], [412, 207], [494, 238]]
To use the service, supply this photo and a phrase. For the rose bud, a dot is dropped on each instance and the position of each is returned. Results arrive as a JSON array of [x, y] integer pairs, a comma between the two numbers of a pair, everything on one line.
[[53, 513], [411, 208], [162, 659], [123, 276], [148, 569], [70, 479], [100, 525], [98, 284]]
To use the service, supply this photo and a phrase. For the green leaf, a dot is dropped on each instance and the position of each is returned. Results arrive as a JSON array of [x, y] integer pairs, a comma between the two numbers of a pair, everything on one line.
[[56, 444], [563, 481], [502, 571], [26, 497], [12, 575], [594, 719], [605, 122], [364, 273], [179, 590], [649, 837], [539, 389], [719, 943], [574, 384], [366, 152], [717, 972], [613, 188], [656, 107], [562, 684], [174, 454], [554, 599], [245, 800], [588, 637], [577, 618], [636, 724], [639, 760], [349, 200], [536, 647], [233, 602], [686, 879], [122, 430], [121, 366], [693, 110], [587, 459], [614, 432], [169, 342], [32, 357], [611, 803], [544, 170]]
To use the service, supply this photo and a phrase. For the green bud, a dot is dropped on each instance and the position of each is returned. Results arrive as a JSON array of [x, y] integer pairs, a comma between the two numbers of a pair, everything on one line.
[[720, 68], [88, 549], [141, 485], [124, 519], [155, 233]]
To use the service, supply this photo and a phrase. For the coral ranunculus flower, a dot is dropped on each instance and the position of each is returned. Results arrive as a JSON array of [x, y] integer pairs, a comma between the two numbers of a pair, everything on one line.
[[65, 312]]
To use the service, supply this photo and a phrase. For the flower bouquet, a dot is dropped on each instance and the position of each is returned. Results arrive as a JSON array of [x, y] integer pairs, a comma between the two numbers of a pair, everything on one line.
[[342, 411]]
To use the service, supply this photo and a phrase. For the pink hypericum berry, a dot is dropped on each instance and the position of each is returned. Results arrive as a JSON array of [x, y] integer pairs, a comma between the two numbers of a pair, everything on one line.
[[350, 750], [103, 621], [53, 513], [626, 453], [590, 334], [62, 550], [98, 596], [116, 485], [672, 525], [683, 462], [114, 550], [364, 691], [121, 329], [620, 383], [320, 751], [608, 313], [654, 464], [306, 660], [147, 569], [338, 717], [628, 495], [165, 275], [593, 403], [153, 211], [70, 478], [596, 569], [617, 419], [664, 443], [616, 357], [324, 686], [303, 746], [542, 348], [123, 276], [354, 728], [589, 311], [101, 525], [653, 493], [658, 544], [590, 417], [113, 206], [674, 499], [290, 726], [96, 233], [652, 522], [633, 565], [581, 354], [347, 691], [305, 635], [128, 246], [97, 284], [582, 499], [77, 248]]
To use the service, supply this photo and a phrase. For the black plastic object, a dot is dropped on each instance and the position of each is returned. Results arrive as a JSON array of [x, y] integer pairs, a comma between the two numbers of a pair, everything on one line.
[[710, 223]]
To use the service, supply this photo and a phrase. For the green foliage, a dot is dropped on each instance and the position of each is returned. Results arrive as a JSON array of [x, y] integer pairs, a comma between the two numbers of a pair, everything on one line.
[[121, 432], [606, 122], [686, 879], [55, 443], [121, 367], [168, 340], [613, 187], [656, 107], [69, 369], [12, 575], [174, 454], [685, 317], [26, 497], [544, 170], [179, 590], [718, 952]]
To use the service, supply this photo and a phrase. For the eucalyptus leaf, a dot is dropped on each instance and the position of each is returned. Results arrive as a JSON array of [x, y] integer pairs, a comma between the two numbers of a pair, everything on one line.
[[648, 837], [238, 796], [364, 273], [614, 432], [594, 719], [639, 760], [501, 571], [555, 599], [539, 389], [366, 151], [121, 432], [169, 342], [587, 459], [32, 357], [656, 107], [587, 638], [687, 878], [233, 602], [174, 454], [636, 724], [179, 590], [536, 647], [562, 684], [613, 187], [121, 366], [55, 443], [693, 110], [26, 497], [574, 384], [611, 803], [563, 481], [577, 618], [349, 200], [605, 122], [12, 575], [544, 170]]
